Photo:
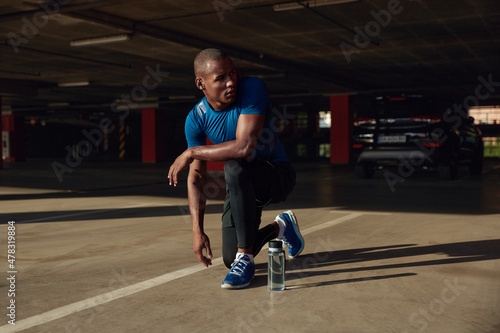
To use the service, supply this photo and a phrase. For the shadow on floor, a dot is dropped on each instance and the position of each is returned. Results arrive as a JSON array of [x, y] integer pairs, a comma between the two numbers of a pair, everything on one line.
[[322, 264], [318, 185]]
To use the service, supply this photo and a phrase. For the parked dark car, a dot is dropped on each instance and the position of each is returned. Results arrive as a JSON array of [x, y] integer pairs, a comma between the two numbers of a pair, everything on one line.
[[409, 130]]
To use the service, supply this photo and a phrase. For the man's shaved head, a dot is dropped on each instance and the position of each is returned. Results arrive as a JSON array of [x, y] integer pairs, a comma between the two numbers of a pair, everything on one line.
[[204, 57]]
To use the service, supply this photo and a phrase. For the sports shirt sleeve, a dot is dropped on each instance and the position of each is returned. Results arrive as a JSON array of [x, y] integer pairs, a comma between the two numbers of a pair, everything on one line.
[[194, 133], [255, 99]]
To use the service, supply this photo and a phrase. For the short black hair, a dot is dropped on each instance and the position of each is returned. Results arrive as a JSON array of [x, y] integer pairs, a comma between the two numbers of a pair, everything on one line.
[[205, 56]]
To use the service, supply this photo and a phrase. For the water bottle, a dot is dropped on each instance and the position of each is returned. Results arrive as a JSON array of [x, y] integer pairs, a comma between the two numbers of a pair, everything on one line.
[[276, 266]]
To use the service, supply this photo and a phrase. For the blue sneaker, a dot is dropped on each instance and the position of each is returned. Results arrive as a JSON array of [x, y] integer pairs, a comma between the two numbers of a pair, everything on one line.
[[292, 237], [241, 273]]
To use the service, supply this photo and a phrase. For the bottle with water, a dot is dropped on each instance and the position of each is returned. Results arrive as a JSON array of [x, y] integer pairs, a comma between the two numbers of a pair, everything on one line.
[[276, 266]]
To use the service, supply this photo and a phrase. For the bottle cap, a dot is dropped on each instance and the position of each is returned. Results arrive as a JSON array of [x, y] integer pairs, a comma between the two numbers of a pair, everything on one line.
[[275, 244]]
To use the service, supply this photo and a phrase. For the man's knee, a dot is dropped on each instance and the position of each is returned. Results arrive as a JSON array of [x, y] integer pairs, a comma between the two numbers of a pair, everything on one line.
[[228, 260]]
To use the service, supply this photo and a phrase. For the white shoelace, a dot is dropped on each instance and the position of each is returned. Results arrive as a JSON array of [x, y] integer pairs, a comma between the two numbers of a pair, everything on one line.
[[238, 266]]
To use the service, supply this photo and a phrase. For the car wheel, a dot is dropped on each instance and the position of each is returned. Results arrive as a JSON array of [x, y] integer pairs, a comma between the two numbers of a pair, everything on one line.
[[449, 169], [364, 170], [476, 166]]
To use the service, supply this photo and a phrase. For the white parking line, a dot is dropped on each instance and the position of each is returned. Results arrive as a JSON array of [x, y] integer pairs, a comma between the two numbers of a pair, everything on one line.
[[331, 223], [84, 213], [88, 303]]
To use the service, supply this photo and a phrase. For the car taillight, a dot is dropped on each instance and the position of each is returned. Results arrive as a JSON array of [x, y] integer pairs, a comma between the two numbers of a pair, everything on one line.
[[364, 121], [431, 119], [432, 144], [357, 146], [397, 99]]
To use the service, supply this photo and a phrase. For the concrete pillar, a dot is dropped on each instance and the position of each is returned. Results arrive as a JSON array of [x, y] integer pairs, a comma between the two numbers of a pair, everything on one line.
[[340, 132], [14, 138], [1, 136]]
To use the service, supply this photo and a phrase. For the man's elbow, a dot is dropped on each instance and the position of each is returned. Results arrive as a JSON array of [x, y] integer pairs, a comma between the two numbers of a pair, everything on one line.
[[244, 149], [248, 153]]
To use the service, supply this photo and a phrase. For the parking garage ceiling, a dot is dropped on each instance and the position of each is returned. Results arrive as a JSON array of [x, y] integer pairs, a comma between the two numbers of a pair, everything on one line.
[[349, 47]]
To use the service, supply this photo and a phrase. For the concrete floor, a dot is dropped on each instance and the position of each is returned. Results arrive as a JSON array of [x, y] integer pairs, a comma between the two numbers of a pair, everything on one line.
[[109, 249]]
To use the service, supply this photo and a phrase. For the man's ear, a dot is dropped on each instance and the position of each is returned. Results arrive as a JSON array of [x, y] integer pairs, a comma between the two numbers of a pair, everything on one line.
[[199, 83]]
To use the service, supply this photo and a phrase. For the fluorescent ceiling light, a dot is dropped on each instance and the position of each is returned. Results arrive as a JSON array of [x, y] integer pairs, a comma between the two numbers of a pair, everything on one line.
[[181, 97], [6, 110], [57, 104], [310, 3], [100, 40], [73, 84], [271, 76], [137, 106]]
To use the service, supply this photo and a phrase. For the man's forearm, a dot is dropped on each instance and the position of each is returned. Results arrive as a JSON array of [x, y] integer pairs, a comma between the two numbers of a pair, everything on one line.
[[197, 202], [222, 151]]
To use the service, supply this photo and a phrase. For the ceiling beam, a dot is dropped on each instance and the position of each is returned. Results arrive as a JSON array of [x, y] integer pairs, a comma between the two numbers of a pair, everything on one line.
[[256, 59], [13, 86], [50, 9]]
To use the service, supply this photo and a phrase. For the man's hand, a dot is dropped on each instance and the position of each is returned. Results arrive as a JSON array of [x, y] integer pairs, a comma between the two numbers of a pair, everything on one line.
[[180, 163], [201, 242]]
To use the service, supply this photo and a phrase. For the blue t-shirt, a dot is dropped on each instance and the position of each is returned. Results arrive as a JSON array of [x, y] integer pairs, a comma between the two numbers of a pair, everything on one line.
[[204, 122]]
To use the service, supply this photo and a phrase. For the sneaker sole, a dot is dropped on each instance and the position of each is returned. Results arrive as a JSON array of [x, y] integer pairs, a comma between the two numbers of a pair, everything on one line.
[[297, 231], [228, 286]]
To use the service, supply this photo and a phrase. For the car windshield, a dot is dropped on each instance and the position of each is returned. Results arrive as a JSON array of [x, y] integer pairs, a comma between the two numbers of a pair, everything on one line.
[[402, 107]]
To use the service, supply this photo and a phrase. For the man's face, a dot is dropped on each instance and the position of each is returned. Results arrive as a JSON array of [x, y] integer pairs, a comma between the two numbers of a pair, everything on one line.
[[219, 83]]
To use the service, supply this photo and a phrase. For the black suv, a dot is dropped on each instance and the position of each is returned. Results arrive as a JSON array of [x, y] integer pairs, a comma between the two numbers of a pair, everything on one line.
[[407, 130]]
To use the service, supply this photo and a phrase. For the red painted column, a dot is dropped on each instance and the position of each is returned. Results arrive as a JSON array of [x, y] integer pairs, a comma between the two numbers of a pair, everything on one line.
[[148, 135], [214, 166], [1, 134], [153, 146], [14, 138], [340, 132]]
